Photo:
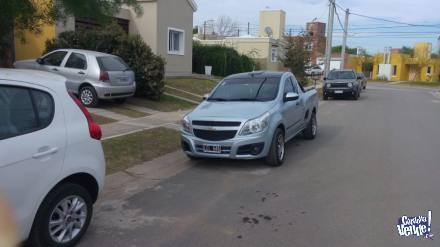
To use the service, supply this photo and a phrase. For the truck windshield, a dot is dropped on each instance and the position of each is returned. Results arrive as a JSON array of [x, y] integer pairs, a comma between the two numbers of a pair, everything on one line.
[[246, 89], [341, 75]]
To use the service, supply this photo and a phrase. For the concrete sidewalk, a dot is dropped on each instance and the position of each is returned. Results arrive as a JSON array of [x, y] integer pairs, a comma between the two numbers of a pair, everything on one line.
[[126, 125]]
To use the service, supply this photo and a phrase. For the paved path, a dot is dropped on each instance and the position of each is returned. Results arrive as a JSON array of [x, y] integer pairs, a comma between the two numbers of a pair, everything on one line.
[[374, 160]]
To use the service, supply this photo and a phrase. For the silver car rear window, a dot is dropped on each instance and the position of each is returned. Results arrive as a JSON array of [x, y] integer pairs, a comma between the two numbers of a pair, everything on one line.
[[112, 63]]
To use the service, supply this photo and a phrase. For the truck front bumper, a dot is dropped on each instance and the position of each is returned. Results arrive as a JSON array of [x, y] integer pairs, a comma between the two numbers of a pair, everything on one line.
[[244, 148]]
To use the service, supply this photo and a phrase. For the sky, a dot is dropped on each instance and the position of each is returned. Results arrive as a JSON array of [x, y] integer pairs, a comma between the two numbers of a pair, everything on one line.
[[370, 34]]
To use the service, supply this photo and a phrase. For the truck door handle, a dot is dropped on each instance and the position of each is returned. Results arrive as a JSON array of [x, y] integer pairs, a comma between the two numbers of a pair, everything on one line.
[[45, 152], [297, 103], [55, 69], [81, 73]]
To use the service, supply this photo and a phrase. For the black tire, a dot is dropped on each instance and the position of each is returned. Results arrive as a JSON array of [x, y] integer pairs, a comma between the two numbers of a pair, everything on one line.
[[311, 130], [365, 87], [40, 235], [324, 97], [274, 158], [356, 96], [88, 96], [120, 100]]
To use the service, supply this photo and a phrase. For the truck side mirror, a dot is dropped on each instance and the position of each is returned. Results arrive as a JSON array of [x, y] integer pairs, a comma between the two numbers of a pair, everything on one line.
[[205, 96], [325, 78], [39, 60], [291, 97], [359, 78]]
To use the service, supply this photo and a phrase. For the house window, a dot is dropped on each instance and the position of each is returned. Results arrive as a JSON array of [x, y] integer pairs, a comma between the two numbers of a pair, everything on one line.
[[308, 46], [429, 70], [176, 41], [394, 70], [274, 52]]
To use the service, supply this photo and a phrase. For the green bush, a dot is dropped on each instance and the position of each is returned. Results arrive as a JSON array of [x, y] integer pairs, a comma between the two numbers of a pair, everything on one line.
[[149, 69], [224, 60]]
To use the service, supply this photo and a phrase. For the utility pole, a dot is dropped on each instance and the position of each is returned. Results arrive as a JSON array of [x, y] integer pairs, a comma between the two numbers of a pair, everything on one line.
[[344, 40], [328, 47], [249, 28]]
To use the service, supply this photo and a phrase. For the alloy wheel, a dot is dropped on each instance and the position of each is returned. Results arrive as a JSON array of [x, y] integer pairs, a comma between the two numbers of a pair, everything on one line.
[[67, 219], [86, 97], [280, 147]]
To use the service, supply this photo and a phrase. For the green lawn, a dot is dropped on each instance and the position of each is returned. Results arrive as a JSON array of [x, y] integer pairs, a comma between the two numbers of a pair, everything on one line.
[[183, 94], [165, 104], [420, 83], [120, 109], [133, 149], [193, 85], [102, 120]]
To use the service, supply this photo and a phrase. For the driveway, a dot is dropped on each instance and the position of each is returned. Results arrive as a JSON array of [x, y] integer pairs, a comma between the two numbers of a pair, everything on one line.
[[374, 160]]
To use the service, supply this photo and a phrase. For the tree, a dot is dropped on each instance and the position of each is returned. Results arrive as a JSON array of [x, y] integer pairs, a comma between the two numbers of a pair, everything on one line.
[[296, 57], [19, 16], [225, 26], [338, 49], [407, 50]]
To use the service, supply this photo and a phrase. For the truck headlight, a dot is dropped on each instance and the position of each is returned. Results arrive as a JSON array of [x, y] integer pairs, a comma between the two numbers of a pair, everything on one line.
[[256, 125], [350, 84], [328, 85], [186, 125]]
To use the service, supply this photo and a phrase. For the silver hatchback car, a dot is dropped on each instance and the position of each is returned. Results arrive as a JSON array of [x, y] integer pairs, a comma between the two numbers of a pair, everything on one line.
[[90, 74]]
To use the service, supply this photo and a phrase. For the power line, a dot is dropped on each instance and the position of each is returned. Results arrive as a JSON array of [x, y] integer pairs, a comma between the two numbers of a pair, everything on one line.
[[397, 22], [339, 20]]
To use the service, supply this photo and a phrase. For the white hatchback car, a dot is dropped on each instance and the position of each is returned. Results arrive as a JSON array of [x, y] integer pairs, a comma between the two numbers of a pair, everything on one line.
[[52, 165]]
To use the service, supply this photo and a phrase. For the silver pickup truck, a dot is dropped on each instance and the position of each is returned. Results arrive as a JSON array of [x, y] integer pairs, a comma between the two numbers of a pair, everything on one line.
[[250, 116]]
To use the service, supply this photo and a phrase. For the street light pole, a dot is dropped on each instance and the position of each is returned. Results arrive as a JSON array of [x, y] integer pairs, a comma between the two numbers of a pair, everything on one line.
[[344, 40], [328, 47]]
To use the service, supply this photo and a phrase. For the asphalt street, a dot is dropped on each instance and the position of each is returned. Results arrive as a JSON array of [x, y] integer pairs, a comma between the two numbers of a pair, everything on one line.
[[373, 161]]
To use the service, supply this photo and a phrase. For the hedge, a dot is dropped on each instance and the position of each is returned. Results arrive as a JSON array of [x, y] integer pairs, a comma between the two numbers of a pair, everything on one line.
[[149, 69], [224, 60]]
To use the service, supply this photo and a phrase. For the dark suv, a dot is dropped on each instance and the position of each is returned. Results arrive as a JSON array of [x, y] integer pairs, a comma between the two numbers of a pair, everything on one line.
[[342, 83]]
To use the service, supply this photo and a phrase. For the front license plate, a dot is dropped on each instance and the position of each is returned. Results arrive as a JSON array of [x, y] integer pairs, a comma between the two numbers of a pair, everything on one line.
[[339, 91], [209, 148]]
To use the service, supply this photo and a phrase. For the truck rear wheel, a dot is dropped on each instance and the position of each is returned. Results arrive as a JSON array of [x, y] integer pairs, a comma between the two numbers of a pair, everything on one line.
[[277, 149], [312, 128]]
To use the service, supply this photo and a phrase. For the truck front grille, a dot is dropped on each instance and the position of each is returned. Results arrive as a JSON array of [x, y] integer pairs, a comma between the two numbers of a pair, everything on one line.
[[215, 135], [216, 123]]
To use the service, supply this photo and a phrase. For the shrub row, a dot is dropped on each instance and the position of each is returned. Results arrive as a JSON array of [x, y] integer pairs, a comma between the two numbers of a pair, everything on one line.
[[224, 60]]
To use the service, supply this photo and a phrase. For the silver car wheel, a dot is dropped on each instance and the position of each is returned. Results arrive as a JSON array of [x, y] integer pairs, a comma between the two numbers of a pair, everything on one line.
[[67, 219], [280, 147], [314, 126], [86, 97]]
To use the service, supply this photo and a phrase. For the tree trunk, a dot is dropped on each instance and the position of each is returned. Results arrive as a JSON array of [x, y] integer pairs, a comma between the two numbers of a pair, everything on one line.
[[7, 47]]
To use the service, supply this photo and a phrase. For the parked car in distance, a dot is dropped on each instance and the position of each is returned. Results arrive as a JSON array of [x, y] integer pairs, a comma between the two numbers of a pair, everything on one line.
[[91, 75], [363, 80], [314, 70], [342, 82], [52, 164], [250, 116]]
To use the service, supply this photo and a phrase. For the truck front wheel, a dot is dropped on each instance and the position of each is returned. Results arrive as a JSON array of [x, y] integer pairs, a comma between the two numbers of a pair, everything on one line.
[[277, 149]]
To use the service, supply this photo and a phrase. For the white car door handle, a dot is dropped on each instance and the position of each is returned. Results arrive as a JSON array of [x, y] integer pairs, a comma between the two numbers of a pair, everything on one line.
[[45, 153]]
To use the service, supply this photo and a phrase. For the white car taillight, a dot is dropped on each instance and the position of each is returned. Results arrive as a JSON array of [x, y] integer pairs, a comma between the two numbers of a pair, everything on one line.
[[94, 128]]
